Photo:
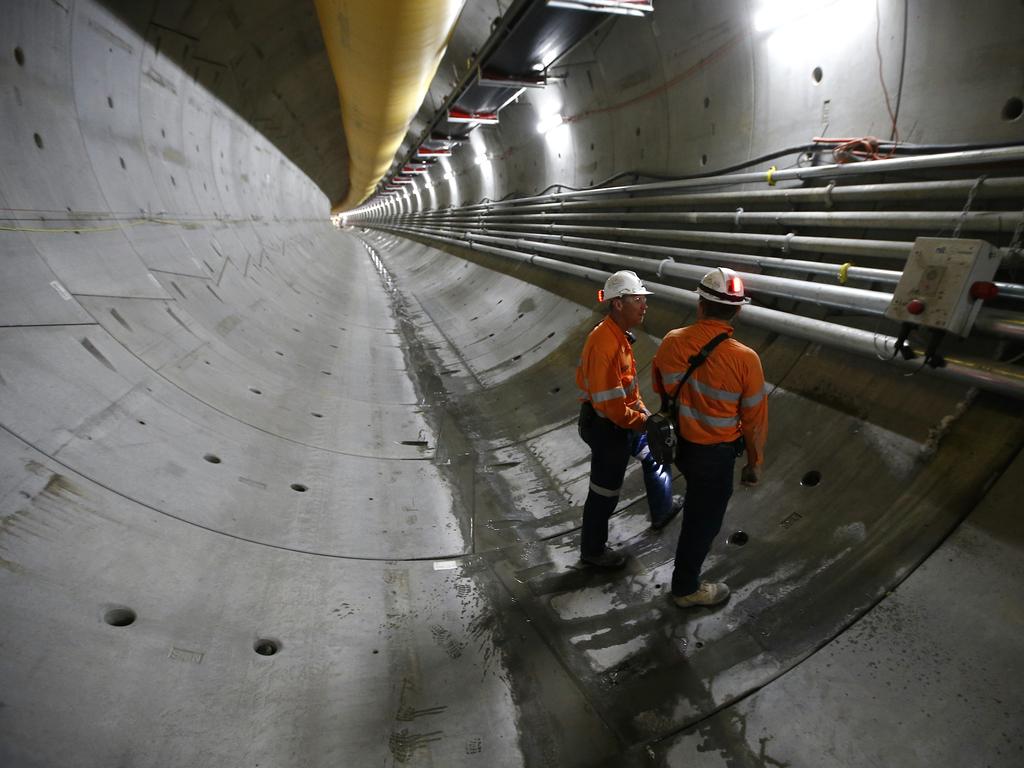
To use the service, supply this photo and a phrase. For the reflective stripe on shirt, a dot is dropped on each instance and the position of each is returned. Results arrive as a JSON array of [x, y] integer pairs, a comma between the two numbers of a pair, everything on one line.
[[608, 394], [711, 421], [704, 389], [717, 394], [753, 400]]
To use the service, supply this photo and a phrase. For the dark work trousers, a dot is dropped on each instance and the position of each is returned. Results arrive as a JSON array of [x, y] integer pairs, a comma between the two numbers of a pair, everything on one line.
[[611, 446], [708, 470]]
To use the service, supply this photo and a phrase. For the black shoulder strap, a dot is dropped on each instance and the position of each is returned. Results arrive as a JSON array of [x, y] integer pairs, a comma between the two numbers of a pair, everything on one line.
[[696, 362]]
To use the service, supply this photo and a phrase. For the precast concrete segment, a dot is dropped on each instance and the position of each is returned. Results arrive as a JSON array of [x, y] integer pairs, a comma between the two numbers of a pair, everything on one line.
[[818, 553], [928, 659], [134, 447], [201, 649]]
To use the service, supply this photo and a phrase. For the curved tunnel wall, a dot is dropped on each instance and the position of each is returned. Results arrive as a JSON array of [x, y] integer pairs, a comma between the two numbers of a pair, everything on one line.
[[271, 492], [702, 86]]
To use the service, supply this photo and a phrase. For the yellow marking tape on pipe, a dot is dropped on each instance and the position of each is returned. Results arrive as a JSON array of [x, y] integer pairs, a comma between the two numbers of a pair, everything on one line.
[[843, 270], [770, 176], [384, 54]]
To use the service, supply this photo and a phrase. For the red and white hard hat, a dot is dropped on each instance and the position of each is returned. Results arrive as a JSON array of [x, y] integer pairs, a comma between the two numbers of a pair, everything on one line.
[[723, 286], [623, 283]]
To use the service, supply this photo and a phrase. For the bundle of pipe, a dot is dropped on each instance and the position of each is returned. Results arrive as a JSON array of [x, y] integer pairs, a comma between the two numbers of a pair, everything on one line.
[[527, 227]]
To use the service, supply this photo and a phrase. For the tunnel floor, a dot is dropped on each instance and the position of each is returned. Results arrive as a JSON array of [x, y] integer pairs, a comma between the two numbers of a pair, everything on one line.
[[314, 516]]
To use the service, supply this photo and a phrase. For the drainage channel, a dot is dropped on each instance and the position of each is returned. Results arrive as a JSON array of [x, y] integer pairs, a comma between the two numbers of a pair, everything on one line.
[[454, 454]]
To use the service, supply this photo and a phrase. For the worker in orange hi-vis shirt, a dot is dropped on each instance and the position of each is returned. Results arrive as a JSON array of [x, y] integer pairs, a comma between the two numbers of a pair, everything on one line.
[[612, 420], [723, 411]]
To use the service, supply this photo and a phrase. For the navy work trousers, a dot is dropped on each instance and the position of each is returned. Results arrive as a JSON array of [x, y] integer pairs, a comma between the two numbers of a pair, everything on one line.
[[708, 470], [611, 446]]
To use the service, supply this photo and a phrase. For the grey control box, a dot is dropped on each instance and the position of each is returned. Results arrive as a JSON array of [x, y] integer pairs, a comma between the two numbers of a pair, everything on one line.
[[935, 288]]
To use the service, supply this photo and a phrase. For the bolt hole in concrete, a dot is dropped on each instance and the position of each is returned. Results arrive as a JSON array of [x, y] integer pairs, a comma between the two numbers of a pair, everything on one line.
[[123, 166], [555, 390], [816, 74], [739, 538], [255, 391], [110, 102], [120, 617], [212, 458], [19, 56], [811, 479], [38, 140], [265, 647], [703, 159], [326, 373], [1013, 109], [416, 443], [299, 487], [316, 415]]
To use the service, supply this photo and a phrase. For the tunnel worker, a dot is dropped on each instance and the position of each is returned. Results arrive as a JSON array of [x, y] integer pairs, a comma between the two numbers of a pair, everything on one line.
[[722, 411], [612, 420]]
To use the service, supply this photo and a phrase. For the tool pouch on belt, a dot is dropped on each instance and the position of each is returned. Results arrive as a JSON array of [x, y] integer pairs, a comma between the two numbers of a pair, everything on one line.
[[586, 421], [661, 427]]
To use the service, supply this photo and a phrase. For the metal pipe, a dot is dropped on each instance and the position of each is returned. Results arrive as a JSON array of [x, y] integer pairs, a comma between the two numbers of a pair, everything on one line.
[[788, 242], [884, 249], [980, 221], [823, 294], [979, 373], [825, 196], [772, 177]]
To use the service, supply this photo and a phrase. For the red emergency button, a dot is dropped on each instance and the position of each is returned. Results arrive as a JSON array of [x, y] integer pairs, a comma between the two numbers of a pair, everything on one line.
[[915, 306], [984, 291]]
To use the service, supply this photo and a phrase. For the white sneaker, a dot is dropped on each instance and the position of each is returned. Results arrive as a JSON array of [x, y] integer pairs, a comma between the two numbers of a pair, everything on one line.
[[708, 593]]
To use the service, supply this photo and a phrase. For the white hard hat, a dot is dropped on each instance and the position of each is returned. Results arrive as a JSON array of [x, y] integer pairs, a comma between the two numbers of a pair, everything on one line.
[[624, 283], [722, 286]]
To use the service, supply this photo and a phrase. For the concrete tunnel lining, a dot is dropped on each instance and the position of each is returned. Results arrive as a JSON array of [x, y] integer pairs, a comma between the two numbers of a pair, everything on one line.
[[423, 589]]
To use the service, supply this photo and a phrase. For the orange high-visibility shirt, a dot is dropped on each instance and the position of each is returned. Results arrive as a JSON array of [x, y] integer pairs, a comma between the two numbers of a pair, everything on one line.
[[726, 397], [606, 376]]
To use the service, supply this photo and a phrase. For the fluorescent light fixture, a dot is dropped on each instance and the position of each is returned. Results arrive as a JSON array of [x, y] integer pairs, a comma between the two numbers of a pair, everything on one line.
[[461, 116], [620, 7]]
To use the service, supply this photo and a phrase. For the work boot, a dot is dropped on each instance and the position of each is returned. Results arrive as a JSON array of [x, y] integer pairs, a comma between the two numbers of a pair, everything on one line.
[[610, 559], [708, 593], [677, 504]]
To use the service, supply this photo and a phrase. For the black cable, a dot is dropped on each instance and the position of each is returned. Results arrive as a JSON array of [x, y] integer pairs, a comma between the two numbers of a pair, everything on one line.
[[903, 67]]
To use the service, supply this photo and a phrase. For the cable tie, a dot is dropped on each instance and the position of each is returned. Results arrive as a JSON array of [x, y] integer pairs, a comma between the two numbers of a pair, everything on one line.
[[828, 194], [788, 238], [662, 263], [843, 270], [770, 176], [739, 211]]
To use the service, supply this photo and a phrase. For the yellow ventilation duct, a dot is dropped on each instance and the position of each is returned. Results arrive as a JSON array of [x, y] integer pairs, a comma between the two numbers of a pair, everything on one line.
[[384, 54]]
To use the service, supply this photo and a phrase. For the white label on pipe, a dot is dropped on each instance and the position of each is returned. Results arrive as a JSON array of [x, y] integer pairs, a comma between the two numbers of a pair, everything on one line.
[[444, 565], [61, 290]]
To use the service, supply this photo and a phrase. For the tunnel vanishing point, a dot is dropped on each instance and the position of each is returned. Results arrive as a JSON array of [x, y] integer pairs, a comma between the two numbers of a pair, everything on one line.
[[291, 303]]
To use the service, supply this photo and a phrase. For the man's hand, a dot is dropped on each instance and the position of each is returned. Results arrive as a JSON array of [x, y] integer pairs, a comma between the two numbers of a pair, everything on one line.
[[750, 475]]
